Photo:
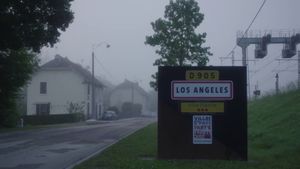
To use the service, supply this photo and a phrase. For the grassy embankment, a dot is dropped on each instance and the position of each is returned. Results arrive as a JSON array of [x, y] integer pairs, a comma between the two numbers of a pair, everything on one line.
[[274, 142]]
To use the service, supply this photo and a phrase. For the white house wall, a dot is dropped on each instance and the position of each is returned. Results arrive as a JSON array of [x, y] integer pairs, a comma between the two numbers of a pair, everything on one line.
[[63, 87], [98, 101], [119, 96]]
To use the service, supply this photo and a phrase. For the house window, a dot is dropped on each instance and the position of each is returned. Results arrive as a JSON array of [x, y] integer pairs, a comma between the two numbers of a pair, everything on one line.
[[43, 109], [43, 88]]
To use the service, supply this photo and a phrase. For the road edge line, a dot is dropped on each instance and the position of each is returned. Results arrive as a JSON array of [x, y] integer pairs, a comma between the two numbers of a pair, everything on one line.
[[105, 147]]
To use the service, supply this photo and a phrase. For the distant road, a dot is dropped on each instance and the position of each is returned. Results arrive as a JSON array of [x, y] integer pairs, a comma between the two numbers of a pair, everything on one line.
[[60, 148]]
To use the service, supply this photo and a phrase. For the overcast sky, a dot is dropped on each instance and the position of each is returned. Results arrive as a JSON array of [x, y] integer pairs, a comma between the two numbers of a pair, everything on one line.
[[124, 25]]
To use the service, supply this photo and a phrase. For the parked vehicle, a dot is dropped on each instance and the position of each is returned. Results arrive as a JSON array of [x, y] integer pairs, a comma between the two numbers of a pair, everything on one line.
[[110, 115]]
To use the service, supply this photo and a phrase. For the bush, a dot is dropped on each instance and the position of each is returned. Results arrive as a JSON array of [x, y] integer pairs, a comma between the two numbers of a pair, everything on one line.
[[130, 110], [75, 108], [8, 113], [126, 107], [137, 108]]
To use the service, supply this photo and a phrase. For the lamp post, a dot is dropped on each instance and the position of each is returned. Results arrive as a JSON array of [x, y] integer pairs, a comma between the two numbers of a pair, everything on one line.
[[93, 113]]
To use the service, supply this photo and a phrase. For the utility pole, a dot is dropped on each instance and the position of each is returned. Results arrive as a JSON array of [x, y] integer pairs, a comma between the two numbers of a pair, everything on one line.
[[232, 58], [244, 55], [244, 46], [93, 115], [132, 94], [93, 87], [277, 83], [245, 63], [298, 69], [298, 61]]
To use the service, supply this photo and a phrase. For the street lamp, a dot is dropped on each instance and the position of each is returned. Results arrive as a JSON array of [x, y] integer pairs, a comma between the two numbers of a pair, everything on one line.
[[93, 77]]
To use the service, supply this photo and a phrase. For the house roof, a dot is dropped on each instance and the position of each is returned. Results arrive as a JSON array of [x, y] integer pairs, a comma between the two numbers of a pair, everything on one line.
[[63, 63], [129, 85]]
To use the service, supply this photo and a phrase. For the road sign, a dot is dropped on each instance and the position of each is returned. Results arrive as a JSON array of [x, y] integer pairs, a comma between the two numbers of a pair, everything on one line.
[[201, 90], [202, 129], [202, 75], [188, 94], [202, 107]]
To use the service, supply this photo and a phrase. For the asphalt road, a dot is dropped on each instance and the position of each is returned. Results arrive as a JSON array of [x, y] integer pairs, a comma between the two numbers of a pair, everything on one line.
[[61, 148]]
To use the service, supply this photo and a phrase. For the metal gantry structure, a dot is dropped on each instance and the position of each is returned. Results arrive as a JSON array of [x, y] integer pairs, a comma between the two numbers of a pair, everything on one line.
[[289, 39], [290, 45]]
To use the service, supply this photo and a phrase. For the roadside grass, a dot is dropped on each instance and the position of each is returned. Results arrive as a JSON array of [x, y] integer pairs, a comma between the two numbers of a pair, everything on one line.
[[274, 142]]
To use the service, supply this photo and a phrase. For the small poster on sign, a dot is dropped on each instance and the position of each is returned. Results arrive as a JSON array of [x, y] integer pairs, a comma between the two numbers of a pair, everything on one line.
[[202, 129]]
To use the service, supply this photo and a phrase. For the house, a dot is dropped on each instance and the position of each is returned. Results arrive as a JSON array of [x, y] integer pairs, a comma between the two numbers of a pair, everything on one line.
[[61, 87], [129, 93], [106, 92]]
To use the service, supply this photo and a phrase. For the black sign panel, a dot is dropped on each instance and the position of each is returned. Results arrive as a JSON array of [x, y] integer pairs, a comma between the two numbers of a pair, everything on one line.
[[202, 113]]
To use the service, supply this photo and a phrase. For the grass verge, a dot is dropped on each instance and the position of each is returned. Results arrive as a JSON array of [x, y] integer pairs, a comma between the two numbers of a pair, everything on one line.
[[274, 134]]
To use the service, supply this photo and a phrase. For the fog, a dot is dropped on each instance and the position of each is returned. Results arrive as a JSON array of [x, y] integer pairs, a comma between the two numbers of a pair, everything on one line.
[[124, 25]]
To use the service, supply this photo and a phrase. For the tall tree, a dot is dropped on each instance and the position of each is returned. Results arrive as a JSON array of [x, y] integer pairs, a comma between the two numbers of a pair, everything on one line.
[[33, 24], [26, 27], [16, 68], [179, 43]]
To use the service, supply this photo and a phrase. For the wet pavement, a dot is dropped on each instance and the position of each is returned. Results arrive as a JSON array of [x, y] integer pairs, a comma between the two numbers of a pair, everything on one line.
[[63, 147]]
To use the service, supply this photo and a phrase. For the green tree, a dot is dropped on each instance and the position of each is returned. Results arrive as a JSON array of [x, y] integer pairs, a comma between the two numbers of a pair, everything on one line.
[[15, 69], [33, 24], [26, 27], [179, 43]]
